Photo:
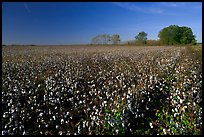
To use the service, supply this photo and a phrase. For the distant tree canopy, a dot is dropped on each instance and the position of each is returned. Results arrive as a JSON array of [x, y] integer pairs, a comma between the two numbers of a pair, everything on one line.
[[101, 39], [141, 38], [174, 35], [115, 39], [171, 35], [106, 39]]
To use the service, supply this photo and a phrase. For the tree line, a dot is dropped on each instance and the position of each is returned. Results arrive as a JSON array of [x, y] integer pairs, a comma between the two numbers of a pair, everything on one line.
[[106, 39], [171, 35]]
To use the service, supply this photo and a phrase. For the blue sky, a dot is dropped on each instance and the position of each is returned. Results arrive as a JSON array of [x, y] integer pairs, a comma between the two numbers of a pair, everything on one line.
[[78, 22]]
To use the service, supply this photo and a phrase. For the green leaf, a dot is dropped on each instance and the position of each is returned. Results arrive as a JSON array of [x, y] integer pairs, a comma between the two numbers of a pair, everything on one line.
[[174, 130], [177, 118], [186, 122], [163, 110], [107, 111]]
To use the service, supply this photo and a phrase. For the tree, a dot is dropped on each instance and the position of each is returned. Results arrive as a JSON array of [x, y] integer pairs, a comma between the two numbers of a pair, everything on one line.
[[174, 35], [101, 39], [115, 39], [95, 40], [105, 38], [187, 36], [141, 38]]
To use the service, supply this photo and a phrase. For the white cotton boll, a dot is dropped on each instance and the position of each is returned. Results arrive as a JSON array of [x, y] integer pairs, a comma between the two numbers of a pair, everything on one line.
[[62, 121], [106, 93], [54, 117], [128, 96], [164, 131], [4, 115], [11, 101], [176, 125], [94, 118], [171, 121], [150, 124], [84, 124], [117, 131], [176, 109], [57, 126], [128, 91], [24, 133], [41, 114], [87, 124], [124, 94], [79, 130], [60, 132]]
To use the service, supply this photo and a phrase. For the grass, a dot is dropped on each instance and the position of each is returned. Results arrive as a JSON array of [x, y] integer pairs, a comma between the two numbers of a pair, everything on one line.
[[196, 51]]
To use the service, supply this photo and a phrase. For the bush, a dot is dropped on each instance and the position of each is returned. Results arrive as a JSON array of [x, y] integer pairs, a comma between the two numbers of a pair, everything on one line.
[[153, 43]]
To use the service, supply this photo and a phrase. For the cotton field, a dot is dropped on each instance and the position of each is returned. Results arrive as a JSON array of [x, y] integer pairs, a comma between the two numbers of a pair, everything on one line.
[[101, 90]]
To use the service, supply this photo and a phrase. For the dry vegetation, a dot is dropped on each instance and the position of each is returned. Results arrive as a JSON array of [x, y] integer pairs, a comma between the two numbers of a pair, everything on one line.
[[64, 90]]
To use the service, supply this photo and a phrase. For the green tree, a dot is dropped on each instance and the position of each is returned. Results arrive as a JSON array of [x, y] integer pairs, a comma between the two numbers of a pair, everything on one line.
[[174, 35], [115, 39], [187, 36], [141, 38]]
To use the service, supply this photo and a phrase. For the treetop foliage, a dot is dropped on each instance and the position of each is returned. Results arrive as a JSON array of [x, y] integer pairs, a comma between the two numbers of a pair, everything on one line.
[[174, 35], [141, 37]]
